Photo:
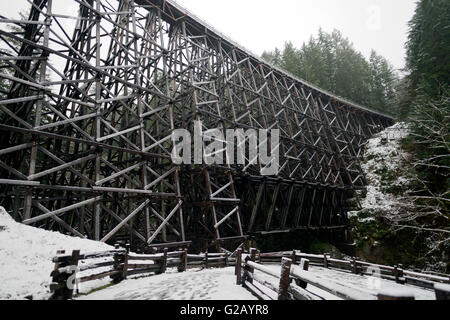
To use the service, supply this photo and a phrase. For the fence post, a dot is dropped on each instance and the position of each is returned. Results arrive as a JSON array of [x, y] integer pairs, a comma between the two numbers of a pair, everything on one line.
[[125, 261], [206, 259], [354, 265], [294, 256], [247, 269], [56, 283], [285, 279], [238, 266], [226, 260], [259, 257], [74, 263], [301, 283], [185, 259], [164, 261], [61, 289], [183, 263], [253, 254], [325, 260], [119, 258], [398, 273]]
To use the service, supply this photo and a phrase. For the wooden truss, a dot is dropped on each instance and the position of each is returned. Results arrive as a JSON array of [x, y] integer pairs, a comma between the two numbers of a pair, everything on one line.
[[87, 114]]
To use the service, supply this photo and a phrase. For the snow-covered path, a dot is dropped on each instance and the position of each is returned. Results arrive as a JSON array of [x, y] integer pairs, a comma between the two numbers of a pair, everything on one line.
[[195, 284]]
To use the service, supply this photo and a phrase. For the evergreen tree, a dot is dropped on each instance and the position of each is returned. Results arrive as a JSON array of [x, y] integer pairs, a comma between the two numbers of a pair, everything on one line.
[[383, 84], [428, 48], [330, 62]]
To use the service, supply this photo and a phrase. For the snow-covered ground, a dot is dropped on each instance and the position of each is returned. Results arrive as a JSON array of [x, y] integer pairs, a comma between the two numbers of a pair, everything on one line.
[[384, 156], [220, 284], [25, 267], [195, 284], [25, 257], [26, 263]]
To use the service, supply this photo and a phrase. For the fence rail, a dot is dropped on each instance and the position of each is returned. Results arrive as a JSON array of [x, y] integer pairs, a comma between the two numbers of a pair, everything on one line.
[[293, 282]]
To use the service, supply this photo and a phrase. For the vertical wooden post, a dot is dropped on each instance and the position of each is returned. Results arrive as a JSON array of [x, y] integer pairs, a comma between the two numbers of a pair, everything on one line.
[[60, 283], [119, 258], [305, 264], [354, 265], [56, 284], [395, 273], [125, 261], [259, 257], [398, 274], [164, 261], [238, 266], [325, 260], [206, 259], [226, 263], [74, 264], [252, 258], [183, 263], [185, 259], [248, 271], [294, 257], [253, 254], [285, 279]]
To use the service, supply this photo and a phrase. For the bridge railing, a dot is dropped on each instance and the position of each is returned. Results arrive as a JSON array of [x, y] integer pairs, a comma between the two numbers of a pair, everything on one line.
[[293, 280], [118, 264]]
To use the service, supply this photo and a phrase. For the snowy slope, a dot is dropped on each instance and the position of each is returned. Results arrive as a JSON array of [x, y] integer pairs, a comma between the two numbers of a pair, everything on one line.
[[384, 156], [25, 257]]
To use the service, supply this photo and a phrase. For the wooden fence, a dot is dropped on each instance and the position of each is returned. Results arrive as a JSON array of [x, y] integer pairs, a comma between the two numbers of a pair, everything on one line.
[[121, 263], [291, 283]]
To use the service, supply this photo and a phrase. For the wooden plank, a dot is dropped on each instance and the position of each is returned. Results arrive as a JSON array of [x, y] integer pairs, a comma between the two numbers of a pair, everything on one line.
[[132, 266], [238, 266], [99, 276], [336, 288], [256, 292], [272, 207], [302, 294], [256, 206], [124, 221], [284, 279], [62, 210]]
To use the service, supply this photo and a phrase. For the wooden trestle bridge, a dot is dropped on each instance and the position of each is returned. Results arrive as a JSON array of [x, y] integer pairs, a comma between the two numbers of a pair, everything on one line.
[[88, 103]]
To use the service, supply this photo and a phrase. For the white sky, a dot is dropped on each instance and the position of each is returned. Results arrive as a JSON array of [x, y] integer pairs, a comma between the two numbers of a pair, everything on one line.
[[262, 25]]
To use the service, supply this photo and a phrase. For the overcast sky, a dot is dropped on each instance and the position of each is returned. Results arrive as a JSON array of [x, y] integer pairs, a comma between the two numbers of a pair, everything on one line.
[[262, 25]]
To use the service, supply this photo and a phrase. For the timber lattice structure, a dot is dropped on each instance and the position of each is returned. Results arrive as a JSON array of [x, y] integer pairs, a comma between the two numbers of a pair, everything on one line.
[[88, 104]]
